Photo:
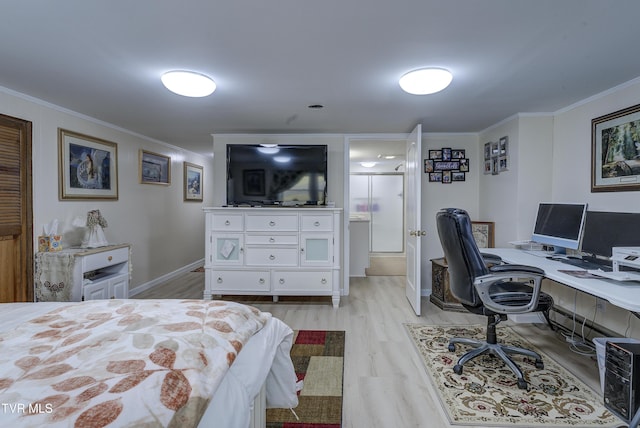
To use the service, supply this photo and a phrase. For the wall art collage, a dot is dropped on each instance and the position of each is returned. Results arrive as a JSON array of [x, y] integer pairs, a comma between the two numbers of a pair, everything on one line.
[[446, 165], [496, 156]]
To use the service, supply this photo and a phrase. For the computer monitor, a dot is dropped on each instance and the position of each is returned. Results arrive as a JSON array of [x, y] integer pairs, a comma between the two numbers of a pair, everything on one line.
[[559, 225], [604, 230]]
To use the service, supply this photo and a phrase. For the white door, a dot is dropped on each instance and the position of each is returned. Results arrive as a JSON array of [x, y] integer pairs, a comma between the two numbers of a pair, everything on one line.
[[414, 228]]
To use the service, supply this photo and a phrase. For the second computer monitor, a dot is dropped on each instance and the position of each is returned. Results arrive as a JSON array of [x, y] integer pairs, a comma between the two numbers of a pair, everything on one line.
[[559, 225], [605, 230]]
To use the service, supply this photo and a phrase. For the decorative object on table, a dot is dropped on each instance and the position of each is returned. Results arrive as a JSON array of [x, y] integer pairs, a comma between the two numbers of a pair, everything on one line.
[[50, 240], [154, 168], [446, 165], [488, 395], [94, 236], [615, 151], [496, 156], [88, 167], [192, 182], [483, 233]]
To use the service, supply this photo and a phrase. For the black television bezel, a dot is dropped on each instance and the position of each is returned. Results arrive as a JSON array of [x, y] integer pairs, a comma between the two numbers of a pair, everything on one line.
[[272, 203]]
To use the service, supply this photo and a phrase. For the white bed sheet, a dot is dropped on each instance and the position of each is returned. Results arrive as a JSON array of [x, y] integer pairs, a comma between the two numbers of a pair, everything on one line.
[[265, 359]]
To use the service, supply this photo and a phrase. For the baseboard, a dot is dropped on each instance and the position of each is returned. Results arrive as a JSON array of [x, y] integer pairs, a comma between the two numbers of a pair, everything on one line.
[[166, 277]]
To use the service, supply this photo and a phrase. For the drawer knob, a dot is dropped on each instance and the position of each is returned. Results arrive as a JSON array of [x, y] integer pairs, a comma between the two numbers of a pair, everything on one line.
[[281, 280], [227, 223], [317, 223], [272, 239], [272, 257], [110, 258], [302, 250], [272, 223], [261, 280], [323, 280], [219, 280]]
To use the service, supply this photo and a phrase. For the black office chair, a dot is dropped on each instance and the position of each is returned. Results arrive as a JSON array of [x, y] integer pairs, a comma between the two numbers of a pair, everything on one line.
[[494, 291]]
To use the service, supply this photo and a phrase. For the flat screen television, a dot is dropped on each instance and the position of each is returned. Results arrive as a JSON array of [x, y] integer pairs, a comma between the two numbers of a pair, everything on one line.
[[284, 175], [559, 225], [604, 230]]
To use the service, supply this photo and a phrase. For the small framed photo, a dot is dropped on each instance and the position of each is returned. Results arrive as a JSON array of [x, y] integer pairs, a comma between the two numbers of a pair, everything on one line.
[[487, 151], [88, 167], [435, 154], [154, 168], [446, 177], [457, 154], [428, 165], [457, 176], [435, 177], [504, 146], [483, 233], [464, 165], [495, 149], [446, 154], [503, 163], [488, 167], [495, 166], [192, 182]]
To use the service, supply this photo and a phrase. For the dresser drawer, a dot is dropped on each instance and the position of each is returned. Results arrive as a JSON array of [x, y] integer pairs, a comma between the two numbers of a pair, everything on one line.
[[236, 280], [272, 222], [227, 222], [302, 282], [271, 256], [274, 239], [318, 222], [104, 259]]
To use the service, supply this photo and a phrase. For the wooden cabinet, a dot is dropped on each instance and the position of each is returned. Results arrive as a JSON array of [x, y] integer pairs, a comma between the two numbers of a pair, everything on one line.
[[440, 292], [83, 274], [273, 251]]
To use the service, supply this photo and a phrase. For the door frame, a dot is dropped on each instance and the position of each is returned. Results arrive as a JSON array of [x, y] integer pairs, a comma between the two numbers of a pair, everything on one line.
[[348, 138]]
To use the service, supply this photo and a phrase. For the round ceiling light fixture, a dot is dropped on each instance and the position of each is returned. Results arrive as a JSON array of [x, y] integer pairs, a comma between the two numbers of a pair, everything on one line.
[[188, 83], [425, 81]]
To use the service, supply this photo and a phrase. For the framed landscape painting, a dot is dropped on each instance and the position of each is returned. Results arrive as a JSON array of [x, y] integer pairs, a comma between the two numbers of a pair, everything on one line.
[[154, 168], [88, 167], [192, 182]]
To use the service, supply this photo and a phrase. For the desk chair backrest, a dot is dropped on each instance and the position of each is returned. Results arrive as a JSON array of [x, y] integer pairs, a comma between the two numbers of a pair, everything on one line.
[[464, 259]]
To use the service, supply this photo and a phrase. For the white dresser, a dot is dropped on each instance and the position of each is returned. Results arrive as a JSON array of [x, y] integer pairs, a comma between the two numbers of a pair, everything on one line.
[[273, 251]]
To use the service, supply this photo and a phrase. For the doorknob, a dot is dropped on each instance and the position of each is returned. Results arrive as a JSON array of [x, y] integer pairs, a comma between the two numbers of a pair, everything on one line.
[[417, 233]]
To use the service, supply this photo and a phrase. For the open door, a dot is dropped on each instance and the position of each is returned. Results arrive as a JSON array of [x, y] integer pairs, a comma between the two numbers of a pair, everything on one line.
[[414, 228]]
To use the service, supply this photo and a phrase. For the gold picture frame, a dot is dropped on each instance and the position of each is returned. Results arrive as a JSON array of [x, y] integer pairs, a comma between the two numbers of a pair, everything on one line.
[[193, 182], [154, 168], [484, 233], [88, 167], [615, 161]]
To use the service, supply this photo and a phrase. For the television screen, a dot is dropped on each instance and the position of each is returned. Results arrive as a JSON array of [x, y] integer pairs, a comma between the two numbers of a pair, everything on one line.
[[559, 225], [605, 230], [278, 175]]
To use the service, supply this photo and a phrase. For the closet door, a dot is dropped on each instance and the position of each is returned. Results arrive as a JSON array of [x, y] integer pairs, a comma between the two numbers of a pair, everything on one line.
[[16, 224]]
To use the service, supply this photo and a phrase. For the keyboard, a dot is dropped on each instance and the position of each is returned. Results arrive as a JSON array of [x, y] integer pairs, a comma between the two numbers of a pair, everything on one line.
[[586, 265]]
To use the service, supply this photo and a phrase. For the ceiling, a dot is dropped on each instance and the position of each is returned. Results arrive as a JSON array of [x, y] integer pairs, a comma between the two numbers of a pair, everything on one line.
[[272, 59]]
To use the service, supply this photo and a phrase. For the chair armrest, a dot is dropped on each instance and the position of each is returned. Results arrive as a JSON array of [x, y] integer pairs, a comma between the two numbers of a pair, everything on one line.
[[518, 268], [491, 259], [483, 284]]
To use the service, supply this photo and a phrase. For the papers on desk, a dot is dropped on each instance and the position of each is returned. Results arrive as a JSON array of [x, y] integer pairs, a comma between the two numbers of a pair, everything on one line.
[[579, 274], [616, 276]]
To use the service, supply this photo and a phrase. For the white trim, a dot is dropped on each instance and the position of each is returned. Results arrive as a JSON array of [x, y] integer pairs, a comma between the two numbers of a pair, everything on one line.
[[166, 277], [55, 107], [598, 96]]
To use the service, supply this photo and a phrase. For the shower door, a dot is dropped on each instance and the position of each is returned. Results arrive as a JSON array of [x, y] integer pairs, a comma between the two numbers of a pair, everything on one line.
[[381, 197]]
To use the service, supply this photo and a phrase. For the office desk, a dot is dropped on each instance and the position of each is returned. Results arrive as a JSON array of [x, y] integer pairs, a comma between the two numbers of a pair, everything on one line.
[[624, 294]]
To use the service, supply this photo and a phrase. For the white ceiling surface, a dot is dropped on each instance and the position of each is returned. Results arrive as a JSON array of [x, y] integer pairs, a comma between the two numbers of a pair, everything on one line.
[[273, 58]]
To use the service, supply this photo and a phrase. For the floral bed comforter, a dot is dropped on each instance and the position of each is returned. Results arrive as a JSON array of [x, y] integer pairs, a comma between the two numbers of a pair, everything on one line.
[[121, 362]]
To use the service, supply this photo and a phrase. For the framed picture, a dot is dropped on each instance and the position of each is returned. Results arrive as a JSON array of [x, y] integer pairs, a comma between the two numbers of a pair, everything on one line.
[[435, 177], [192, 182], [154, 168], [488, 165], [446, 154], [88, 167], [615, 151], [487, 151], [483, 233], [435, 154], [504, 146], [428, 165], [253, 182], [446, 177]]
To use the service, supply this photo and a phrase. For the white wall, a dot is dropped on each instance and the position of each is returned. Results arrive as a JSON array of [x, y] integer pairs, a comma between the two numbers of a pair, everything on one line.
[[435, 196], [165, 232]]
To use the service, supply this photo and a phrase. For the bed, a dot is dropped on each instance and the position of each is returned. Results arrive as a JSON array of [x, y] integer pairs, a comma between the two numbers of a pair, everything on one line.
[[187, 363]]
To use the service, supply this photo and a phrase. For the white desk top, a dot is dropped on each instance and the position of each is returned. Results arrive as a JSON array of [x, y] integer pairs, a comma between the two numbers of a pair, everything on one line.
[[625, 294]]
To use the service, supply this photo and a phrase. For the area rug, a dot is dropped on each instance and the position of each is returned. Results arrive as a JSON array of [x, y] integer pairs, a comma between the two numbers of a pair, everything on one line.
[[487, 394], [318, 358]]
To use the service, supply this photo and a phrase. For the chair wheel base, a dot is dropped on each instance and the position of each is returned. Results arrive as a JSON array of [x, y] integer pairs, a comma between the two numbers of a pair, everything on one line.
[[452, 347], [522, 384], [457, 369], [539, 364]]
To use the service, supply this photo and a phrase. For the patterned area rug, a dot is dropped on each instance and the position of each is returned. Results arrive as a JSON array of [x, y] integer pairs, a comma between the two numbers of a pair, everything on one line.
[[487, 394], [318, 358]]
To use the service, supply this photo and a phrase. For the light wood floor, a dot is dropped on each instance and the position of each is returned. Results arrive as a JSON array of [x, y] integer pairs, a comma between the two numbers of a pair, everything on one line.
[[385, 383]]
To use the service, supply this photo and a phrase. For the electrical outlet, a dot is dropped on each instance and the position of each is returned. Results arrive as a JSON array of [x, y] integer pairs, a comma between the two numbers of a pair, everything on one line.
[[601, 305]]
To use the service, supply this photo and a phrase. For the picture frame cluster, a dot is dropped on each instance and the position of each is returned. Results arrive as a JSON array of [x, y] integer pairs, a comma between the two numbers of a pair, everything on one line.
[[446, 165], [496, 156]]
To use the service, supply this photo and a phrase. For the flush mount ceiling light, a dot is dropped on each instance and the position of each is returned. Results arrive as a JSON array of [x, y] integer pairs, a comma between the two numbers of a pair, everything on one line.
[[188, 83], [425, 81], [368, 164]]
